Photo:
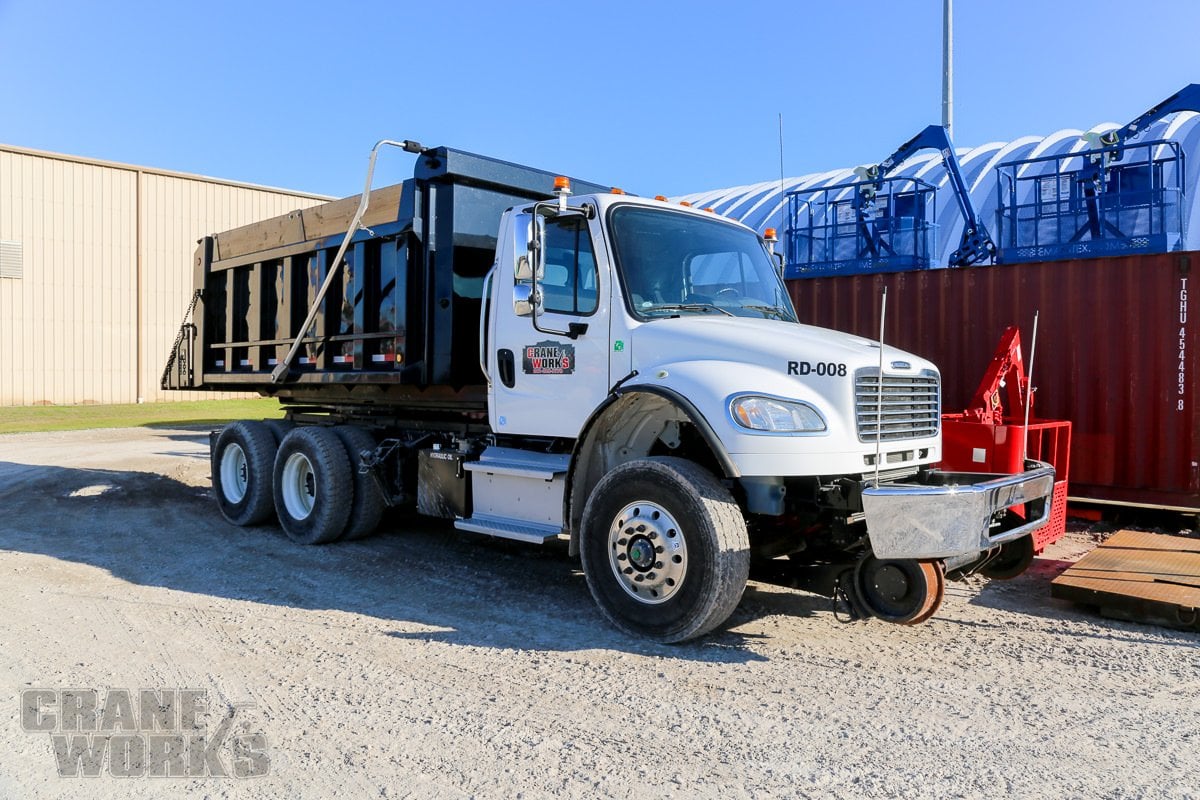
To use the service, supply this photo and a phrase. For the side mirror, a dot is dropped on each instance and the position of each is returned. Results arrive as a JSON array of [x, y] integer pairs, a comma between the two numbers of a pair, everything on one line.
[[524, 299], [523, 271], [537, 247]]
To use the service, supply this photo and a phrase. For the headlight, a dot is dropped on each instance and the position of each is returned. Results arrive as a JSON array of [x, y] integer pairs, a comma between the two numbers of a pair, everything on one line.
[[777, 416]]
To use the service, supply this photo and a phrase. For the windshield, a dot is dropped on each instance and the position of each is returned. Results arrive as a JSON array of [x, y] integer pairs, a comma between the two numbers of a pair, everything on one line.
[[674, 263]]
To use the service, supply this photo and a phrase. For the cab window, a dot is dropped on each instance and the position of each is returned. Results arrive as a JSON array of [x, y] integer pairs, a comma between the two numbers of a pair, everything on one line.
[[569, 283]]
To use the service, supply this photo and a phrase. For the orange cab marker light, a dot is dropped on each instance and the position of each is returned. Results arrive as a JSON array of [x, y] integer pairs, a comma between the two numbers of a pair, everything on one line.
[[615, 190], [710, 209], [561, 182], [660, 197], [685, 203]]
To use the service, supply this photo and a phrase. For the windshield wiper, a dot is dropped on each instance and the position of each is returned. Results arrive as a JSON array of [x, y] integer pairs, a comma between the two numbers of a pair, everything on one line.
[[764, 307], [705, 307]]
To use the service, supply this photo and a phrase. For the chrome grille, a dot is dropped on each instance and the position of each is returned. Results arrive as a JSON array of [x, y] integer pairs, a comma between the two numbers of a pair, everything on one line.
[[911, 406]]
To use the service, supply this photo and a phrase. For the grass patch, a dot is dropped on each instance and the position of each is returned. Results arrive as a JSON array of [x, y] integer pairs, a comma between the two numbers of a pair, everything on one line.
[[26, 419]]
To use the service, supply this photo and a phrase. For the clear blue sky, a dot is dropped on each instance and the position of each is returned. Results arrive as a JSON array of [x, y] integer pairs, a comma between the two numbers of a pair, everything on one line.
[[656, 97]]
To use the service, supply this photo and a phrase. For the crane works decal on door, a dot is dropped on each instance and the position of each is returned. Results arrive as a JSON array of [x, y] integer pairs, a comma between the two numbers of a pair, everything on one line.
[[548, 358]]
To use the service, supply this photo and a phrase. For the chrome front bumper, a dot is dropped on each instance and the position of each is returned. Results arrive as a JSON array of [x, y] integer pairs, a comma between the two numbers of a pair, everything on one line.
[[951, 513]]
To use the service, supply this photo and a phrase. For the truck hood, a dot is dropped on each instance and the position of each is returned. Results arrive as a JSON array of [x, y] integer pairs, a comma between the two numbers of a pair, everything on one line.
[[766, 343], [712, 359]]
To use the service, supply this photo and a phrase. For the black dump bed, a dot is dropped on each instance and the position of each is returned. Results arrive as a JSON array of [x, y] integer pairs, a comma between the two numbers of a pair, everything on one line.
[[399, 325]]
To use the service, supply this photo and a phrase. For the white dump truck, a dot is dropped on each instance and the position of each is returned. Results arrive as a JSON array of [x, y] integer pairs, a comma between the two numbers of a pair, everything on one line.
[[621, 373]]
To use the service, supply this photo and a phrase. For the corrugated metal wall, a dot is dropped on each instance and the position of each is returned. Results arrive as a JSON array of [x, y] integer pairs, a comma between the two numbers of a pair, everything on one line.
[[74, 328]]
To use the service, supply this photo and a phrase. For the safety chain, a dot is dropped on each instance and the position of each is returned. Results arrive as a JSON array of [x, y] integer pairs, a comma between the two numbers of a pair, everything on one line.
[[183, 326]]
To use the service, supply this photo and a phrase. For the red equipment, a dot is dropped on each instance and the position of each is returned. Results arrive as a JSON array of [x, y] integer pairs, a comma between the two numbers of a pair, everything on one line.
[[984, 438]]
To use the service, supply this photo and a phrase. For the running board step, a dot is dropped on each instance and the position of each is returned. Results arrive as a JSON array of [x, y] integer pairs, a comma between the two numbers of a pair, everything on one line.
[[520, 463], [520, 530]]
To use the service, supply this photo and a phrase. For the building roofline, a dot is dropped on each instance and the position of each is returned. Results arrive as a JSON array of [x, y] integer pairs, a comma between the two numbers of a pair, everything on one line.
[[96, 162]]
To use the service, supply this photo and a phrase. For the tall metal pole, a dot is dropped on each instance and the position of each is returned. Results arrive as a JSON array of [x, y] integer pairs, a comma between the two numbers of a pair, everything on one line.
[[948, 66]]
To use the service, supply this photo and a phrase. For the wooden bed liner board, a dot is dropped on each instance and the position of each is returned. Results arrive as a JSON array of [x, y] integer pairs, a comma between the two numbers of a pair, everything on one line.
[[307, 225], [1137, 576]]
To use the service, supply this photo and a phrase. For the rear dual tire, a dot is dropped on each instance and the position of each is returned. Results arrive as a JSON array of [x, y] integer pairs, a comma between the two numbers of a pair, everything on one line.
[[308, 477], [312, 485], [366, 507], [242, 461]]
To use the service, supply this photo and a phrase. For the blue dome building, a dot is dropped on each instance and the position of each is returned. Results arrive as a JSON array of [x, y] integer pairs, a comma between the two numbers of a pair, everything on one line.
[[1038, 197]]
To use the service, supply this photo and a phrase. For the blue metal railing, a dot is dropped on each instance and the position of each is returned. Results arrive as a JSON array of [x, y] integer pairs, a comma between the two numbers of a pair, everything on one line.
[[1091, 203], [840, 230]]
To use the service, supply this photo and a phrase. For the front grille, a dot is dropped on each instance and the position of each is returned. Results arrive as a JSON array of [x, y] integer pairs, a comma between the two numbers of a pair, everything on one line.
[[911, 406]]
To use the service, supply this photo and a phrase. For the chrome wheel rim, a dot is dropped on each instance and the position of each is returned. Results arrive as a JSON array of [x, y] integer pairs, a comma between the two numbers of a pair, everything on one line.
[[299, 484], [235, 473], [647, 552]]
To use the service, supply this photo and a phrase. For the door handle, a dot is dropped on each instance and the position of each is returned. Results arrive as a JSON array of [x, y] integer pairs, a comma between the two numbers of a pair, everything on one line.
[[506, 364]]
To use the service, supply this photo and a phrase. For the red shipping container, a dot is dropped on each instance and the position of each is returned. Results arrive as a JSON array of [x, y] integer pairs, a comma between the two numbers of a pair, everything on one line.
[[1117, 355]]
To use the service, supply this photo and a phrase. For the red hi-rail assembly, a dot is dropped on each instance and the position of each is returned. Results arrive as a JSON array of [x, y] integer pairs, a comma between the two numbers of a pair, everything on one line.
[[987, 438]]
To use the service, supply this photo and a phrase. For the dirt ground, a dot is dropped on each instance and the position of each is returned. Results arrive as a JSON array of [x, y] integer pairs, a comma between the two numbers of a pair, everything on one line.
[[428, 663]]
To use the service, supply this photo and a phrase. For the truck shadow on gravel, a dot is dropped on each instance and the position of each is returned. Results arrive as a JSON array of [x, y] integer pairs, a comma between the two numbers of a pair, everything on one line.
[[153, 530], [174, 434]]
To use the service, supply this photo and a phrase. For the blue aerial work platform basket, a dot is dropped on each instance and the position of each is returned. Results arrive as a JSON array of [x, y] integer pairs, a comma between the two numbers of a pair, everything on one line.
[[1085, 204], [860, 228]]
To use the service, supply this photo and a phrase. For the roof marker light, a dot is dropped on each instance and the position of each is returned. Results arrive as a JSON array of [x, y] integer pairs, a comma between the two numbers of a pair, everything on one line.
[[685, 203], [562, 188], [662, 197], [616, 190], [770, 238]]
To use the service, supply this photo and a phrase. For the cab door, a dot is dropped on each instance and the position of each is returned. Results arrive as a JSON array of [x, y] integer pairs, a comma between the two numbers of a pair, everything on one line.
[[548, 348]]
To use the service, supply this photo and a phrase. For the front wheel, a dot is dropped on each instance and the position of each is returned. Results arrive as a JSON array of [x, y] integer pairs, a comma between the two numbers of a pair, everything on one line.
[[665, 549], [1013, 559]]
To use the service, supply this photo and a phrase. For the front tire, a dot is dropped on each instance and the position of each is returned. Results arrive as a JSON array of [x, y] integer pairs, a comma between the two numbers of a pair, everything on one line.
[[242, 460], [1013, 559], [665, 549], [312, 485]]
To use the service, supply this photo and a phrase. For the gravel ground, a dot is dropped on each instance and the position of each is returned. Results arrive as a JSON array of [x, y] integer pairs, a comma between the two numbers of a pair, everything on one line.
[[426, 663]]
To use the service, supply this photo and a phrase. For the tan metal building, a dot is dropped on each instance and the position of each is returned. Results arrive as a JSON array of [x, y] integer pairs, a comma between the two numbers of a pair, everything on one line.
[[96, 271]]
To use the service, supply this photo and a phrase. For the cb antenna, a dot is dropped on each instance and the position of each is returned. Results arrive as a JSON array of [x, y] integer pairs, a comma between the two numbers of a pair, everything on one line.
[[782, 198]]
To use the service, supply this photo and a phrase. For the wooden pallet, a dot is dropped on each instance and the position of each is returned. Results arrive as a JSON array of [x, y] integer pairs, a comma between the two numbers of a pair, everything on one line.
[[1142, 577]]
